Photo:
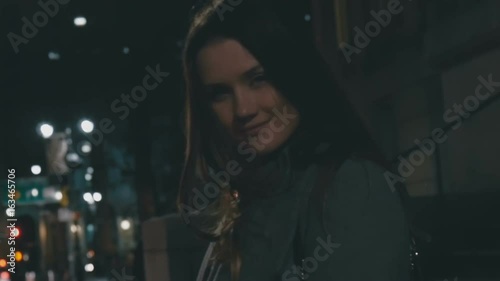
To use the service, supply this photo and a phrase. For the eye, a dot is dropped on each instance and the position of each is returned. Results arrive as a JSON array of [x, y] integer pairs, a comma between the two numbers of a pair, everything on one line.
[[218, 93], [258, 80]]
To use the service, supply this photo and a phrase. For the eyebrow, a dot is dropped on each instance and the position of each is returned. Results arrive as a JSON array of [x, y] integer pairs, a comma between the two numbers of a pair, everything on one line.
[[252, 71]]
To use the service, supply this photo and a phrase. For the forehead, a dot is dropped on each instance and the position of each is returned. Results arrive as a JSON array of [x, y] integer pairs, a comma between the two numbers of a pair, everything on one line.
[[224, 61]]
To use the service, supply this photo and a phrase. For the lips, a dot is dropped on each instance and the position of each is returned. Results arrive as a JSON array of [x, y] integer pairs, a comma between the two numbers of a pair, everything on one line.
[[253, 130]]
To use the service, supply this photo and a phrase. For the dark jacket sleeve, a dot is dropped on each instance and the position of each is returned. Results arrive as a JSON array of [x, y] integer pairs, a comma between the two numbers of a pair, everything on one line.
[[366, 217]]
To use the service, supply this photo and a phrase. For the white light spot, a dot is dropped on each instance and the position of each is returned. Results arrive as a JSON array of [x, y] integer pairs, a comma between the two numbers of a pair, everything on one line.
[[11, 212], [36, 169], [34, 192], [87, 126], [80, 21], [86, 148], [46, 130], [125, 224], [54, 55], [88, 177], [126, 50], [88, 198], [72, 157], [97, 196], [307, 17], [89, 267], [58, 195]]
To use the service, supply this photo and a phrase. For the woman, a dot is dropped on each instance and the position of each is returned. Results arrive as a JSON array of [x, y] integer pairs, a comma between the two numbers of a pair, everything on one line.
[[279, 172]]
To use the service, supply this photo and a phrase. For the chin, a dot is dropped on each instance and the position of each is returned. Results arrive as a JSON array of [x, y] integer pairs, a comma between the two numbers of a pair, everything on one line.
[[266, 148], [266, 140], [269, 142]]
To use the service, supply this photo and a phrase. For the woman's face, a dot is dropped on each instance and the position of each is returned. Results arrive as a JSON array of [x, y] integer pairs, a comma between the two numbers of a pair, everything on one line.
[[249, 108]]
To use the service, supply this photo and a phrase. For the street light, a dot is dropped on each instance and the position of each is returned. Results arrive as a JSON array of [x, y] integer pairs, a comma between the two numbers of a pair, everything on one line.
[[87, 126], [58, 196], [34, 192], [86, 147], [73, 159], [97, 196], [125, 224], [88, 177], [89, 267], [36, 169], [80, 21], [46, 130], [53, 55], [88, 198]]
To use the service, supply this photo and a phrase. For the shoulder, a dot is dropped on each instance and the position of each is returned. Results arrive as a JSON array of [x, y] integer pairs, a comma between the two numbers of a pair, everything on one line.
[[363, 177], [359, 176], [365, 217], [359, 189]]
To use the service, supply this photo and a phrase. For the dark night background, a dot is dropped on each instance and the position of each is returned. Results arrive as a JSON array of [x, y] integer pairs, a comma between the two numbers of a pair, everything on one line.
[[403, 82]]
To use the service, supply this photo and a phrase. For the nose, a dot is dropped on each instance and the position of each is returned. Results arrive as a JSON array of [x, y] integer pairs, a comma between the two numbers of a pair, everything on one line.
[[245, 105]]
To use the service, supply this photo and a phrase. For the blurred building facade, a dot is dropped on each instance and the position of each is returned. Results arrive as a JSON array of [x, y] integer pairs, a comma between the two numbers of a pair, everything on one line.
[[422, 66]]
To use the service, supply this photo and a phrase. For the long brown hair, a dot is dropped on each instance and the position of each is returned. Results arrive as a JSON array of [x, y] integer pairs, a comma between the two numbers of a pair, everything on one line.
[[295, 68]]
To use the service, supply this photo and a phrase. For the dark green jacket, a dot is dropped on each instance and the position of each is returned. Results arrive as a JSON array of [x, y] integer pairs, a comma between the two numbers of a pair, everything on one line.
[[360, 234]]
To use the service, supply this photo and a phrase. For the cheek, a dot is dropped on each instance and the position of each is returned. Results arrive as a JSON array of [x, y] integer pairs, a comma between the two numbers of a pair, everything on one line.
[[269, 98], [224, 113]]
